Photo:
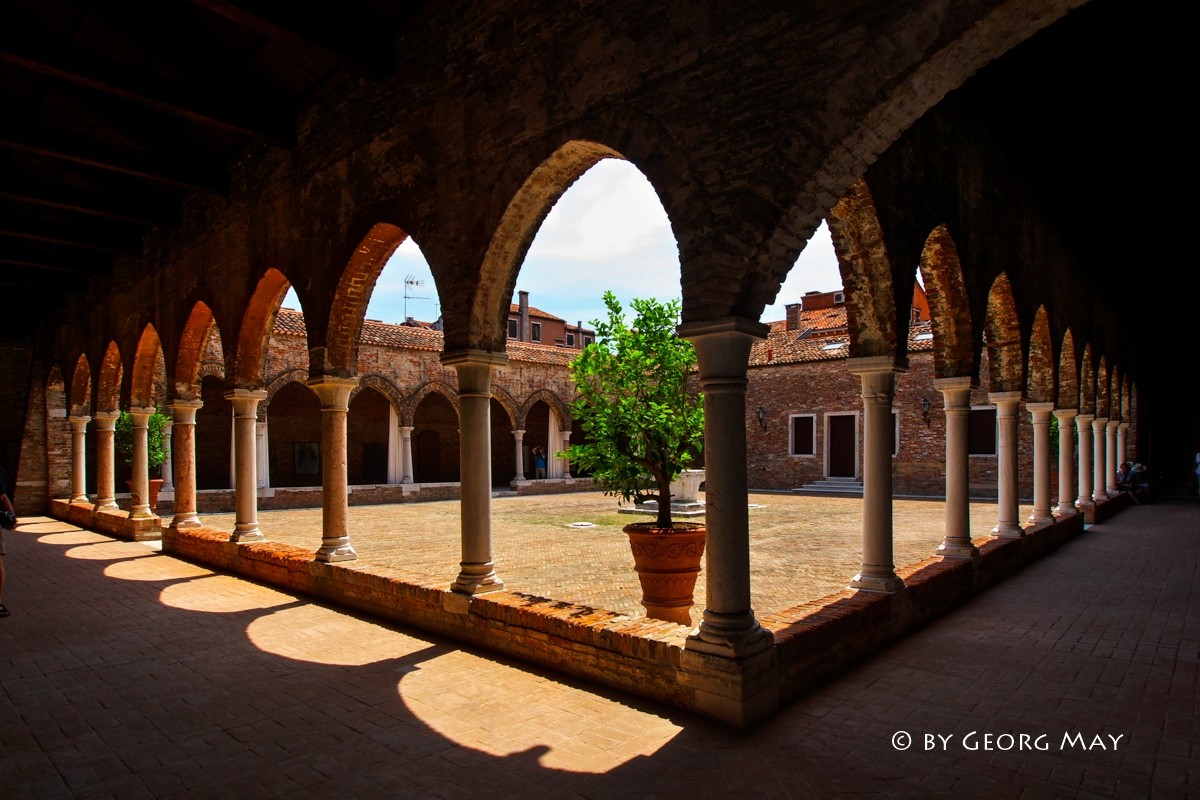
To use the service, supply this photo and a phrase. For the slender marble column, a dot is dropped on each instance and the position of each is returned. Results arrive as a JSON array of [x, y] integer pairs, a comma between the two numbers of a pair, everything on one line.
[[1040, 414], [477, 570], [1083, 424], [956, 397], [168, 465], [245, 433], [106, 463], [395, 467], [878, 570], [519, 436], [566, 462], [1066, 460], [262, 463], [184, 414], [1007, 508], [334, 394], [79, 458], [1122, 442], [1110, 449], [406, 464], [141, 463], [728, 627], [1098, 459]]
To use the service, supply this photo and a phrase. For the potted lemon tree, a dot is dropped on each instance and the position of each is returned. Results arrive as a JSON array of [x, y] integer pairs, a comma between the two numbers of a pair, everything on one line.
[[156, 450], [643, 426]]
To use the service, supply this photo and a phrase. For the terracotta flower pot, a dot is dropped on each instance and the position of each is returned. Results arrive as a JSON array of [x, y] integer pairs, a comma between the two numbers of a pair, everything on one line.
[[155, 486], [667, 561]]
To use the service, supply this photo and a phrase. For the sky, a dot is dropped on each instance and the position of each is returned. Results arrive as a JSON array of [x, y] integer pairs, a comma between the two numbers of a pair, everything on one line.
[[608, 231]]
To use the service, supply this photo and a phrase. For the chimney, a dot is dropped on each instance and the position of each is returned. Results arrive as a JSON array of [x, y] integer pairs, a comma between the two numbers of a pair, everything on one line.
[[793, 316], [523, 315], [579, 334]]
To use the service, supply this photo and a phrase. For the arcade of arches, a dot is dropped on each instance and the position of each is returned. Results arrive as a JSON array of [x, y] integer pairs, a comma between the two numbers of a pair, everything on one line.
[[888, 124]]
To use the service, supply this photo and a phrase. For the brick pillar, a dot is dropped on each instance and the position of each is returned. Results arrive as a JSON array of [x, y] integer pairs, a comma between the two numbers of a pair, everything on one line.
[[1066, 460], [1040, 415], [477, 572], [956, 398], [1007, 507], [245, 434], [334, 394], [106, 452], [878, 570], [184, 414]]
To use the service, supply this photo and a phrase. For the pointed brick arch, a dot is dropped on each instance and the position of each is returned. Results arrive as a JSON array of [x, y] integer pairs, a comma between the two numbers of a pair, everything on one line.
[[382, 385], [1087, 382], [199, 329], [108, 383], [81, 388], [257, 323], [147, 364], [488, 311], [281, 380], [950, 308], [1103, 395], [338, 355], [409, 409], [560, 407], [508, 403], [1040, 387], [866, 276], [1003, 339], [1068, 374]]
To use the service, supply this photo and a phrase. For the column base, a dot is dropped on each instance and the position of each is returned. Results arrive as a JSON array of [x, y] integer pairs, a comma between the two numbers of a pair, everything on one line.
[[729, 635], [477, 579], [246, 532], [957, 550], [191, 520], [1008, 531], [107, 504], [80, 498], [739, 691], [1038, 517], [1065, 508], [884, 584], [140, 512], [337, 550]]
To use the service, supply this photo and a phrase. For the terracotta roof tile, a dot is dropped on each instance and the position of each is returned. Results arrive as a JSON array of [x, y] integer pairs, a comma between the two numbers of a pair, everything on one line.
[[792, 347]]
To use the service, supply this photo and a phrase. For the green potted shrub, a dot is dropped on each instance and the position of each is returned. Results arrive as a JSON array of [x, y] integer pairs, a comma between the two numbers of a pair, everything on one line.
[[156, 449], [643, 426]]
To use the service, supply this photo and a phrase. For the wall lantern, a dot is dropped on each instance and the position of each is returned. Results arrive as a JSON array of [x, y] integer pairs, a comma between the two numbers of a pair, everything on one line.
[[925, 410], [762, 417]]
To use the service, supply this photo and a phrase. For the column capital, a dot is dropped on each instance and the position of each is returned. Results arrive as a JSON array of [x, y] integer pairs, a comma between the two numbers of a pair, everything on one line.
[[102, 416], [334, 393], [723, 350], [1040, 411], [185, 405], [407, 428], [1066, 413], [1124, 426], [867, 365], [1098, 423], [245, 401], [1084, 419], [958, 383], [1004, 397], [474, 358], [1113, 423]]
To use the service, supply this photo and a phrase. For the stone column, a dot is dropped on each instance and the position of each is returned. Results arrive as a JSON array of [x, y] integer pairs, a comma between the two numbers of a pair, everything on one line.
[[184, 415], [106, 461], [956, 398], [140, 479], [406, 464], [1110, 449], [566, 462], [477, 570], [261, 451], [1083, 425], [878, 376], [1123, 442], [334, 394], [519, 436], [1040, 414], [245, 433], [728, 627], [1099, 459], [168, 465], [1066, 456], [79, 458], [395, 469], [1007, 508]]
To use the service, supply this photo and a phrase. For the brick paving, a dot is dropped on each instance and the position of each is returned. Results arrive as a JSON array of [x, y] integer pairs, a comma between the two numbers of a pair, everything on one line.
[[127, 673]]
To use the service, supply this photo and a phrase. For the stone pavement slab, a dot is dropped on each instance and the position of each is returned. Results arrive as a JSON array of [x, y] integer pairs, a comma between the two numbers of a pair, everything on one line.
[[128, 673]]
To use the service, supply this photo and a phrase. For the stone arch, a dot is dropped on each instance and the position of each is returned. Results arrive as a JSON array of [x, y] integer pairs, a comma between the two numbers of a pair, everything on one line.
[[1040, 387], [382, 385], [147, 364], [447, 391], [281, 380], [257, 324], [946, 290], [866, 276], [1087, 382], [1114, 392], [80, 402], [108, 384], [1126, 399], [507, 402], [1102, 388], [210, 369], [512, 237], [1003, 338], [1068, 374], [338, 356], [200, 327], [561, 408]]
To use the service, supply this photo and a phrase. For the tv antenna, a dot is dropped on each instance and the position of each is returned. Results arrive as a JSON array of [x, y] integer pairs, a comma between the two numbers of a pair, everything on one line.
[[410, 281]]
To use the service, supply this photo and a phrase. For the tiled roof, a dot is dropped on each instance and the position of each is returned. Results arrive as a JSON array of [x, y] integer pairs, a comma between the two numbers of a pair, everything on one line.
[[380, 334], [791, 347], [515, 310], [821, 319]]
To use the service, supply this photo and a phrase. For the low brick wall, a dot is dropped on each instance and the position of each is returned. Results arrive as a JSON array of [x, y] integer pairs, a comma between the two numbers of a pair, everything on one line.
[[113, 523]]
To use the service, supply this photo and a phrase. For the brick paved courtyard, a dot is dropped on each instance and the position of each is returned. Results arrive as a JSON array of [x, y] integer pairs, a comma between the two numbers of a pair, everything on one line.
[[801, 547]]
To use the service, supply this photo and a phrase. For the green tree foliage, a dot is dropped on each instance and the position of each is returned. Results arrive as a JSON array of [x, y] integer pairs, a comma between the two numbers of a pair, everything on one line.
[[643, 425], [155, 442]]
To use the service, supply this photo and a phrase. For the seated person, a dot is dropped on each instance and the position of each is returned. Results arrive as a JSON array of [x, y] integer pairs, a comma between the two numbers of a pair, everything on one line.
[[1125, 476]]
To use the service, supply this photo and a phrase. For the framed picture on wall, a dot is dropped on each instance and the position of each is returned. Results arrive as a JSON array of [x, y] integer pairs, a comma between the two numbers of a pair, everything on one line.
[[307, 457]]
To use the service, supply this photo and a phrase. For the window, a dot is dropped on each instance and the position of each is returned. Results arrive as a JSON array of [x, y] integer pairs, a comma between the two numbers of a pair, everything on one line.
[[981, 432], [512, 329], [587, 340], [803, 435], [570, 340], [535, 331]]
